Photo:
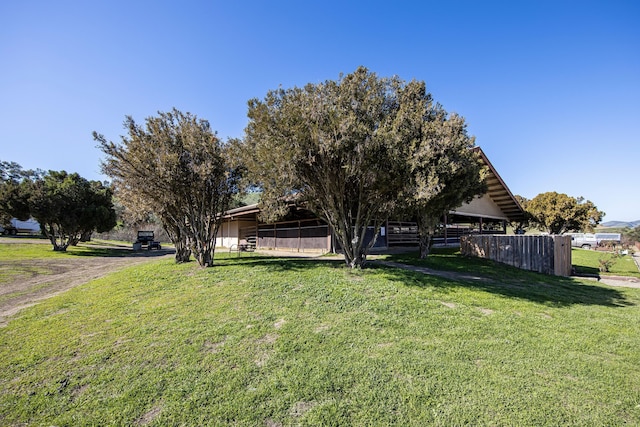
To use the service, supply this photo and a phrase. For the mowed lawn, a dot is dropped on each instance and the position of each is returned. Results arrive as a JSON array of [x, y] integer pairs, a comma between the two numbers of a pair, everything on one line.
[[260, 341], [587, 262]]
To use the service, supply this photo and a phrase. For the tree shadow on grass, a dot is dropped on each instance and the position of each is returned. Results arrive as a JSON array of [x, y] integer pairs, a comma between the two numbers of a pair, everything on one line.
[[493, 278], [588, 271], [278, 263], [90, 251], [540, 288]]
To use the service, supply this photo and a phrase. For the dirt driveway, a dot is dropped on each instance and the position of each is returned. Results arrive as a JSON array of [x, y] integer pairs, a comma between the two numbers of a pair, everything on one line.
[[31, 280]]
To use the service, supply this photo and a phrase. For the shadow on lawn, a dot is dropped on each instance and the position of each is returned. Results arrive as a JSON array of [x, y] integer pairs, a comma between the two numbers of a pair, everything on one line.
[[275, 264], [539, 288], [90, 251], [494, 278]]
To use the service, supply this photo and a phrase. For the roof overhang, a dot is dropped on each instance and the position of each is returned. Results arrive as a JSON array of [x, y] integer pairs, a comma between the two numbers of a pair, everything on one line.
[[498, 191], [242, 211]]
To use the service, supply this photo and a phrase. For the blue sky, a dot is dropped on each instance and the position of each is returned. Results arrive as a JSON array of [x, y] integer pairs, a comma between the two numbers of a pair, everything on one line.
[[550, 90]]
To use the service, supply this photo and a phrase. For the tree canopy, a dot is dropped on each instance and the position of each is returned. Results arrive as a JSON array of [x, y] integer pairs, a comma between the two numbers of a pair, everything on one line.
[[520, 225], [442, 169], [330, 146], [633, 234], [354, 150], [176, 167], [15, 191], [558, 213], [68, 206]]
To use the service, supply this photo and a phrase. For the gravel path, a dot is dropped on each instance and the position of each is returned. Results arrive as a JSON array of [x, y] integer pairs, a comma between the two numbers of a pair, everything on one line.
[[31, 281]]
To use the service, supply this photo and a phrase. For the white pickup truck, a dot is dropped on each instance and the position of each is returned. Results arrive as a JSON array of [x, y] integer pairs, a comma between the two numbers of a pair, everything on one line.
[[583, 240], [591, 240]]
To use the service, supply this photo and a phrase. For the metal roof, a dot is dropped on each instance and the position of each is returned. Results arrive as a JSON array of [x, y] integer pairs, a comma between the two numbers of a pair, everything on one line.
[[497, 190], [499, 193]]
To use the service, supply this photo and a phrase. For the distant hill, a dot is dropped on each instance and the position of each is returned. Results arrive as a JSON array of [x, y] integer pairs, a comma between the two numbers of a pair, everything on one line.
[[620, 224]]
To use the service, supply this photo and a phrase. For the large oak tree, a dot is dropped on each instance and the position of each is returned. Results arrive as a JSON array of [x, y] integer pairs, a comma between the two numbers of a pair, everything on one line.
[[558, 213], [177, 167]]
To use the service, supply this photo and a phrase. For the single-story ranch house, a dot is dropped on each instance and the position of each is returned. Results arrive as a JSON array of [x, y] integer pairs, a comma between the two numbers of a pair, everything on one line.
[[302, 231]]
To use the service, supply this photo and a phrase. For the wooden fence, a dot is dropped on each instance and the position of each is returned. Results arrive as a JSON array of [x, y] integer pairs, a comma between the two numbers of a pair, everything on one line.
[[544, 254]]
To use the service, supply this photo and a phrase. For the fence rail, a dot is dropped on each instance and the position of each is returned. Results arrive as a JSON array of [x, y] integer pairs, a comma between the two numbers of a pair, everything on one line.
[[544, 254]]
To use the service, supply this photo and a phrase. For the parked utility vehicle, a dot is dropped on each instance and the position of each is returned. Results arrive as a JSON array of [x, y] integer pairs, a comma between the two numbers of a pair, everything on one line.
[[146, 239], [583, 240], [15, 226]]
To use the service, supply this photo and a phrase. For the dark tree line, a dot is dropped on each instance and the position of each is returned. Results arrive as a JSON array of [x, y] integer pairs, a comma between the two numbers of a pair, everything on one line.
[[67, 206]]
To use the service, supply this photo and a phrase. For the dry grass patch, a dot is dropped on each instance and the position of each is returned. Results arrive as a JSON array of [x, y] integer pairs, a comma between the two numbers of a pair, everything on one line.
[[149, 416]]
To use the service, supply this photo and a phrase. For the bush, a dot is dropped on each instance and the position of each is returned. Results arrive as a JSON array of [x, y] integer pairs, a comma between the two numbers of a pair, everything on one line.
[[607, 262]]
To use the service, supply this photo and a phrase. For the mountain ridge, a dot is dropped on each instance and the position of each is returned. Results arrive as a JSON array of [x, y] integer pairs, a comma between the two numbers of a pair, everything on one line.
[[621, 224]]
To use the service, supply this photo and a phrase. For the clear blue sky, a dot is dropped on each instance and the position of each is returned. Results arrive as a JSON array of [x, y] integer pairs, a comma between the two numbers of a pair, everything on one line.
[[550, 89]]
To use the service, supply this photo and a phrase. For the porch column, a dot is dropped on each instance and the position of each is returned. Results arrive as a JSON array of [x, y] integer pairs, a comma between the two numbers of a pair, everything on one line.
[[445, 229]]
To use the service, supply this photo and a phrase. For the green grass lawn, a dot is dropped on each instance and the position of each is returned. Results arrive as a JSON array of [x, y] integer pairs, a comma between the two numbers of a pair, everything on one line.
[[449, 259], [26, 251], [268, 342], [586, 262]]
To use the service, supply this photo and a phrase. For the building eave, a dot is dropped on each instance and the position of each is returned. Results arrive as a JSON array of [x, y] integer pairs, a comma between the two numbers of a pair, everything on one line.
[[498, 191]]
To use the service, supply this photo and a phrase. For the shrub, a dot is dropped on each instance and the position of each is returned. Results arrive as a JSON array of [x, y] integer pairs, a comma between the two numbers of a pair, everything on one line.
[[607, 262]]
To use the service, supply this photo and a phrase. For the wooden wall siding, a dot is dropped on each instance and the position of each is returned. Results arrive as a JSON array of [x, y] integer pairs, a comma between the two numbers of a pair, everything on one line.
[[544, 254], [405, 233], [402, 233], [294, 237]]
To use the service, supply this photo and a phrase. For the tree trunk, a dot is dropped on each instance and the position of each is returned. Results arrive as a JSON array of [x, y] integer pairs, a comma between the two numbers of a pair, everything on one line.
[[355, 254], [183, 253], [73, 240], [358, 261], [205, 258], [426, 230], [52, 233], [61, 246], [178, 238], [425, 245]]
